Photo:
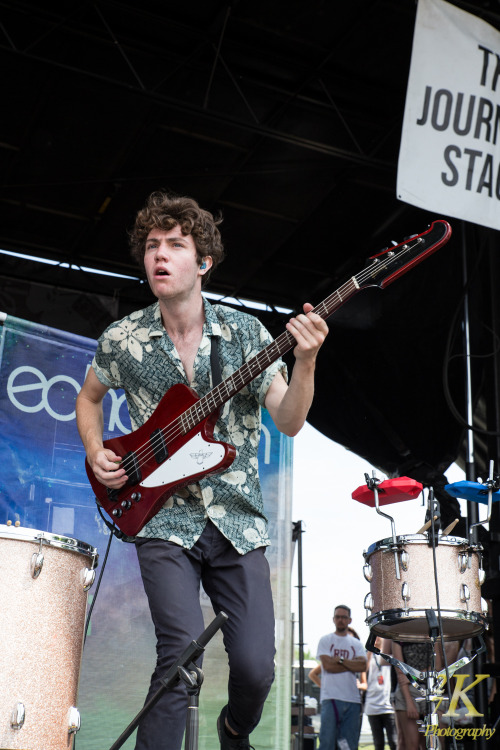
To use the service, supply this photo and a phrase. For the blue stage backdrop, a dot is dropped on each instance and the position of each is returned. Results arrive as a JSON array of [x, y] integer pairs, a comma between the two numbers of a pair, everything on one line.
[[43, 486]]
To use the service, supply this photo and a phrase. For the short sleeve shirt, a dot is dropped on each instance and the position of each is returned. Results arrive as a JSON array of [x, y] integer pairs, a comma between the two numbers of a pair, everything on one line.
[[137, 355], [342, 685]]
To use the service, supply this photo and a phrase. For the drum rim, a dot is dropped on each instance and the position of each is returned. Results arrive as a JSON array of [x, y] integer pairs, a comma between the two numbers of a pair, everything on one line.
[[399, 616], [405, 614], [26, 534], [447, 541]]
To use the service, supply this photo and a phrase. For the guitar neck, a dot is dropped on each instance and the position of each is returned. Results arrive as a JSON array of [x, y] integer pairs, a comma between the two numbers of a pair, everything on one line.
[[386, 267], [251, 369]]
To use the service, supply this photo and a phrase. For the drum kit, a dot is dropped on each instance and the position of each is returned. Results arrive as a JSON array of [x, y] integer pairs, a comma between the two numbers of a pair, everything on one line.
[[44, 580], [425, 587]]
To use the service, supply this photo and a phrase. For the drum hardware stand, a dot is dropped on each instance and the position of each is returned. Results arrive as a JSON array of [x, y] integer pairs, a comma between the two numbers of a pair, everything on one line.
[[183, 669], [434, 681], [432, 519], [372, 484], [491, 485]]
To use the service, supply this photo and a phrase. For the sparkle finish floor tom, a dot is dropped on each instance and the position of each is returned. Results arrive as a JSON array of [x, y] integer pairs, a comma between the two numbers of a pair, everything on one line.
[[44, 579]]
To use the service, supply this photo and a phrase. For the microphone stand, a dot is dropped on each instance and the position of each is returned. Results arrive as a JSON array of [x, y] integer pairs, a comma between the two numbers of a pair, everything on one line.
[[183, 669]]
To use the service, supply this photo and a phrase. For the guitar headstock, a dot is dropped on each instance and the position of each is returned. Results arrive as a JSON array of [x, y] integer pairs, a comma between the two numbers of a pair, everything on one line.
[[393, 262]]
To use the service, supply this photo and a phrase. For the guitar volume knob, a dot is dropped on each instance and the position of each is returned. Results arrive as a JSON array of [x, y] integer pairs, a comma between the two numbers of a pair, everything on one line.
[[126, 504], [117, 512], [136, 496]]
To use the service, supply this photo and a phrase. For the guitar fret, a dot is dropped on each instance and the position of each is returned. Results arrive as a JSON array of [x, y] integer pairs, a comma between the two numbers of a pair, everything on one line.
[[184, 423]]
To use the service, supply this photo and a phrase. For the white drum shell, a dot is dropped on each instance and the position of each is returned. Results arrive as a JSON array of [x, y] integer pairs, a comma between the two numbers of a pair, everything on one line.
[[457, 564], [42, 627]]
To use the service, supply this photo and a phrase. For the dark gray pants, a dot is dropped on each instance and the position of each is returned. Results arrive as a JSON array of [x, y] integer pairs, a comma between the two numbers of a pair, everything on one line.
[[379, 722], [239, 585]]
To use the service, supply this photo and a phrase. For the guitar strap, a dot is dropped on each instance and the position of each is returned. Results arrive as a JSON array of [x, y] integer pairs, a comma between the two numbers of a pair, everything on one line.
[[214, 362]]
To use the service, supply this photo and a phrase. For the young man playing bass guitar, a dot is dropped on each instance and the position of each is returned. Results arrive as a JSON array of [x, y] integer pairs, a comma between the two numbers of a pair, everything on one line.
[[212, 530]]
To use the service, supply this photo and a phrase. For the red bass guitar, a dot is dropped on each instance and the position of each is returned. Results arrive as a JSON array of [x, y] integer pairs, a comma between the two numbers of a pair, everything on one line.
[[176, 447]]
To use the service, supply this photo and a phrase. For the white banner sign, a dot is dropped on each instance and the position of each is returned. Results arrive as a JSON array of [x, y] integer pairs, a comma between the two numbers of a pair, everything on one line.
[[449, 159]]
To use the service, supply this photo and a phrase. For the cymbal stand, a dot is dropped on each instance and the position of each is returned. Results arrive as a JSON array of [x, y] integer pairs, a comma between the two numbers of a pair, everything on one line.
[[372, 484], [491, 485]]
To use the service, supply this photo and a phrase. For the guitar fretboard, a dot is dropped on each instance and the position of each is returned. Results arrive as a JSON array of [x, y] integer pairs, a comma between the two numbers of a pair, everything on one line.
[[383, 269]]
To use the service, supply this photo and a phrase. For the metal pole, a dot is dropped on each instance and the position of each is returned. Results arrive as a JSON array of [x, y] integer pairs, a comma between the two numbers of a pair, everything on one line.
[[301, 688], [472, 508]]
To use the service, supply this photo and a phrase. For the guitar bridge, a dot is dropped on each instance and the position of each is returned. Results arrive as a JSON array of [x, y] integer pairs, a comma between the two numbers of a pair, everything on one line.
[[159, 446]]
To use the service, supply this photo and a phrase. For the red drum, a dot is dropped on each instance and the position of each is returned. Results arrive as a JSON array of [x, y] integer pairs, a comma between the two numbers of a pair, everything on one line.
[[44, 579], [396, 607]]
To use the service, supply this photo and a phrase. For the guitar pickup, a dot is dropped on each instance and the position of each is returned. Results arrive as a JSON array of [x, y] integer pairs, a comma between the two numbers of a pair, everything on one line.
[[159, 446], [131, 465]]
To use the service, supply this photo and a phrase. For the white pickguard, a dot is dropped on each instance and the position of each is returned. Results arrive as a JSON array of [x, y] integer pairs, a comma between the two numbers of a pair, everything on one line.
[[195, 456]]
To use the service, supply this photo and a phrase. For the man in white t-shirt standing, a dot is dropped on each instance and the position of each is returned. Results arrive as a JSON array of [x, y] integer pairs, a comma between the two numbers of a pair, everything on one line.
[[341, 656]]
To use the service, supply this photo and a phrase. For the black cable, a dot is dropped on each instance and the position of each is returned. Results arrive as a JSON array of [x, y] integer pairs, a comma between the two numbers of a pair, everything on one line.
[[440, 621], [94, 599], [87, 622]]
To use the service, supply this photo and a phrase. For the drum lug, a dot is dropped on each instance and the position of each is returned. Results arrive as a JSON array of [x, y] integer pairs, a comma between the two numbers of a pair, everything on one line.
[[18, 716], [464, 594], [368, 602], [405, 560], [88, 578], [481, 575], [37, 560], [484, 608], [464, 562], [367, 572], [36, 564], [405, 592], [74, 721]]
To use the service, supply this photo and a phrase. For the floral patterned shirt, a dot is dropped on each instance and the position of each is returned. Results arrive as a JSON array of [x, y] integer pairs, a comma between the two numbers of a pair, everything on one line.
[[137, 354]]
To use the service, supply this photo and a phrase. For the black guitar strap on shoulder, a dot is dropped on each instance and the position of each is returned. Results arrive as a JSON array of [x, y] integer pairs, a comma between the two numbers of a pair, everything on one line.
[[214, 362]]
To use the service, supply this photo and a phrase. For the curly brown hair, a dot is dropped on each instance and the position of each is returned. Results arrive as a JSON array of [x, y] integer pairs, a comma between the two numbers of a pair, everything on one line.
[[164, 211]]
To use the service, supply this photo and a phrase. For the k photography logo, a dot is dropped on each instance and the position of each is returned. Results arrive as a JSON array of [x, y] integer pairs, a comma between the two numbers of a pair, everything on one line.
[[460, 694]]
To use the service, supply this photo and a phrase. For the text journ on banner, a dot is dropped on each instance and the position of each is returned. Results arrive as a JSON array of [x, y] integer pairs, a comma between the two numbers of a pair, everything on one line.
[[449, 158]]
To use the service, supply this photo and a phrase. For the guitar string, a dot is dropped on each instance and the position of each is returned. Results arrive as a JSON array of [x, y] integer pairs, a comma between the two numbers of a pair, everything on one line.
[[196, 412]]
